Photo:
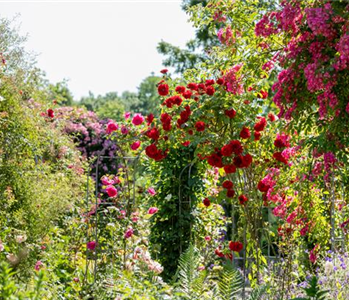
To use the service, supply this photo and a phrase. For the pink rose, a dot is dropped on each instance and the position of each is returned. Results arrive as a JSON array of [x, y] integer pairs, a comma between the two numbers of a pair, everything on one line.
[[124, 130], [91, 245], [135, 145], [127, 115], [128, 233], [151, 191], [111, 191], [138, 119], [38, 265], [111, 126], [152, 210]]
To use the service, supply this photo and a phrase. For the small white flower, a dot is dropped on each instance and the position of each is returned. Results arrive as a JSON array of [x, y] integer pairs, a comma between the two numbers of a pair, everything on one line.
[[2, 247], [168, 197], [328, 267]]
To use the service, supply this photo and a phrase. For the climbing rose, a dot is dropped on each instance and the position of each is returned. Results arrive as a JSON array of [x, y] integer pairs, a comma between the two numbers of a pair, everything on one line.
[[38, 265], [163, 89], [235, 246], [128, 233], [187, 94], [206, 202], [153, 134], [151, 191], [227, 150], [257, 135], [164, 71], [215, 160], [236, 146], [91, 245], [150, 118], [111, 191], [152, 210], [193, 86], [230, 193], [229, 169], [138, 119], [243, 199], [245, 133], [200, 126], [127, 115], [227, 184], [180, 89], [271, 117], [50, 113], [247, 160], [111, 126], [260, 125], [210, 90], [282, 140], [231, 113], [135, 145], [218, 252]]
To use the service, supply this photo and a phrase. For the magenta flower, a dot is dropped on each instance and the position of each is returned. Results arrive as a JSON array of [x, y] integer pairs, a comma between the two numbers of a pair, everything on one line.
[[151, 191], [107, 181], [111, 191], [91, 245], [111, 126], [152, 210], [124, 130], [128, 233], [38, 265], [138, 119], [135, 145], [127, 115]]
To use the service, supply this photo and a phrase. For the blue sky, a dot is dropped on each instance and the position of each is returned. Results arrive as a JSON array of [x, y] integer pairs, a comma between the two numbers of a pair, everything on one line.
[[99, 46]]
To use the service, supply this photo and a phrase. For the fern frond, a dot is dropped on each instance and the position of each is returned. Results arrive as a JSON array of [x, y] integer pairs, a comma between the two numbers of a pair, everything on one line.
[[230, 283]]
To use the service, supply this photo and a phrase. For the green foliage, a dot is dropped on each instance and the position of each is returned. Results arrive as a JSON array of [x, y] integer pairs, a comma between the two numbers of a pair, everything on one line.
[[178, 184]]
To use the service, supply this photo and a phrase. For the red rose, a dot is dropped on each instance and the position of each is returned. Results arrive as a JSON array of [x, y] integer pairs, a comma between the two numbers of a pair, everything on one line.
[[151, 150], [186, 143], [164, 71], [209, 82], [235, 246], [229, 169], [166, 121], [237, 147], [200, 126], [206, 202], [227, 150], [247, 160], [238, 161], [187, 94], [279, 157], [257, 135], [153, 134], [231, 113], [50, 113], [220, 81], [218, 252], [230, 193], [260, 126], [227, 184], [215, 160], [163, 89], [150, 118], [262, 187], [243, 199], [180, 89], [245, 133], [271, 117], [210, 90], [193, 86]]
